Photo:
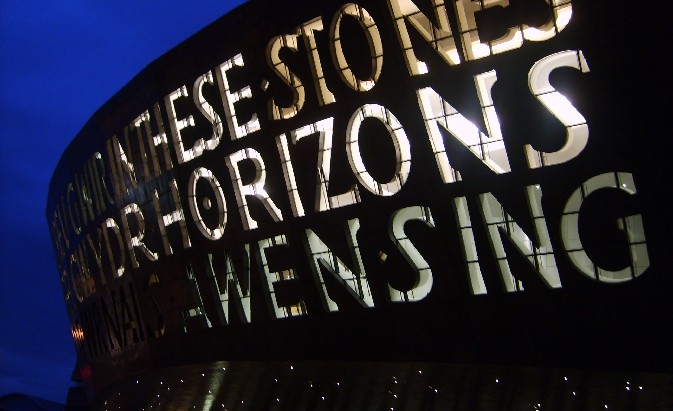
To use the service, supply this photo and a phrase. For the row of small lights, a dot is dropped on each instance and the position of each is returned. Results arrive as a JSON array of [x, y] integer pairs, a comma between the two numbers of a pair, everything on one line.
[[497, 381]]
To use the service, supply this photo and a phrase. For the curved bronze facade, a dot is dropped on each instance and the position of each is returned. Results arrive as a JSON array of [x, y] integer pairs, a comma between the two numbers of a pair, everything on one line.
[[460, 181]]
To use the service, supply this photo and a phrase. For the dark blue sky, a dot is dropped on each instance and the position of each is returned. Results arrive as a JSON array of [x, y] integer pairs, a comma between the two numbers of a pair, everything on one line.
[[59, 62]]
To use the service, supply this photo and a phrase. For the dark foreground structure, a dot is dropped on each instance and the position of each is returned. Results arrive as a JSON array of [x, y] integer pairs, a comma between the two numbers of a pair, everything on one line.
[[388, 204]]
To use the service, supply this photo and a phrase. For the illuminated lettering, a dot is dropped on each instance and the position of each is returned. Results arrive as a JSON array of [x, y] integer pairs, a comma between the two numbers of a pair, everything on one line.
[[288, 173], [307, 31], [208, 112], [117, 269], [371, 31], [431, 242], [354, 281], [469, 247], [325, 131], [500, 224], [135, 241], [473, 47], [178, 125], [561, 12], [270, 278], [423, 284], [176, 216], [97, 166], [202, 173], [228, 285], [631, 225], [558, 105], [439, 37], [194, 315], [230, 98], [137, 123], [83, 198], [400, 141], [154, 141], [287, 41], [121, 169], [254, 189], [490, 149]]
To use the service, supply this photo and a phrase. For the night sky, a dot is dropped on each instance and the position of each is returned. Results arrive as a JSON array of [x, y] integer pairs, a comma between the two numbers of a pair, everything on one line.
[[59, 62]]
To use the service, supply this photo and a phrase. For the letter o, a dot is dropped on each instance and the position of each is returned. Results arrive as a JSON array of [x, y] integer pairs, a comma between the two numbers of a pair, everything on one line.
[[402, 150], [373, 39], [217, 232]]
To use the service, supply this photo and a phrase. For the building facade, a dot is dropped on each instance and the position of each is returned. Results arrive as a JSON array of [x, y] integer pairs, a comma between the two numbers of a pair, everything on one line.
[[407, 182]]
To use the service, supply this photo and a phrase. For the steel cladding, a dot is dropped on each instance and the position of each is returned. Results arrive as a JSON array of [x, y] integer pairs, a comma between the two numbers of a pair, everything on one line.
[[372, 180]]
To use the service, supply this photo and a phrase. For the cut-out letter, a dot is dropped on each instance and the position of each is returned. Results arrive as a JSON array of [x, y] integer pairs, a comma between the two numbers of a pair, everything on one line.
[[400, 141], [631, 225], [560, 107], [490, 149], [255, 188], [440, 37], [373, 39], [423, 284]]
